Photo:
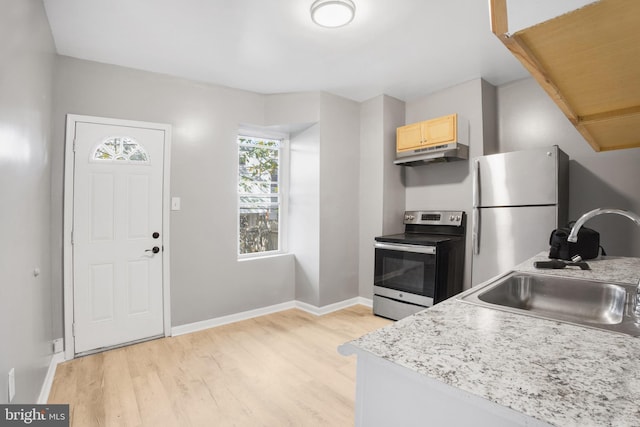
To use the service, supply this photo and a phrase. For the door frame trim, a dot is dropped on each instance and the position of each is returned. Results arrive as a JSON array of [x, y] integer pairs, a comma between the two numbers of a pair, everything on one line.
[[69, 170]]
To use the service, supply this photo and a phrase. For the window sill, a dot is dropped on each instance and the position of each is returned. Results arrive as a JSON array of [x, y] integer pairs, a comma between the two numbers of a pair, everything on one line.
[[264, 256]]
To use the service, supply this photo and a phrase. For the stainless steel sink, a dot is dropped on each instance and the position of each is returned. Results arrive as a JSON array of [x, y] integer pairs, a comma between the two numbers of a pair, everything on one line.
[[601, 305]]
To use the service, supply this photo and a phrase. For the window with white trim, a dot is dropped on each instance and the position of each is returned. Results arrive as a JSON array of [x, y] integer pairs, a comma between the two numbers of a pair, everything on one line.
[[260, 195]]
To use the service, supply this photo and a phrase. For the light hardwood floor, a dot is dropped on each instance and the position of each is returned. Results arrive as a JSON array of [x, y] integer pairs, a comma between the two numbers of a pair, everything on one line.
[[282, 369]]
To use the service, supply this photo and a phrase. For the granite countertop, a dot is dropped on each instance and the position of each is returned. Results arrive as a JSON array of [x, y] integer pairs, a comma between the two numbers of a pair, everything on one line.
[[559, 373], [609, 268]]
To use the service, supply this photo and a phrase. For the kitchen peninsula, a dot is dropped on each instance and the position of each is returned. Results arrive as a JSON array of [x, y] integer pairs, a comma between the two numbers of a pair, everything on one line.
[[459, 364]]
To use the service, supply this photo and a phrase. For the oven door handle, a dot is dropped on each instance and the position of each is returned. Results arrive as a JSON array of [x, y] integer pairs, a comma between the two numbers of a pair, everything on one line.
[[431, 250]]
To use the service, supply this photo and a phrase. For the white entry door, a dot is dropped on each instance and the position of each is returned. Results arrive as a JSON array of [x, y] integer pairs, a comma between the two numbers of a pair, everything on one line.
[[117, 235]]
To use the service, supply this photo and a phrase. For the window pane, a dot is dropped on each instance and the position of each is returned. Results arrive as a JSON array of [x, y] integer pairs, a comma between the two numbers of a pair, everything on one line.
[[258, 198], [254, 187], [258, 142], [102, 154], [138, 156], [123, 149], [258, 229], [257, 165], [250, 200]]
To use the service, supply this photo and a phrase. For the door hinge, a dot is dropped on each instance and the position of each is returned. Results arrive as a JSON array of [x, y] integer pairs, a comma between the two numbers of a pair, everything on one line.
[[72, 241], [74, 145], [73, 330]]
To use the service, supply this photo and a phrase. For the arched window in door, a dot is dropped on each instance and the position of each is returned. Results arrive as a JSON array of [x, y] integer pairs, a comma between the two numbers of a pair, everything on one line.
[[120, 149]]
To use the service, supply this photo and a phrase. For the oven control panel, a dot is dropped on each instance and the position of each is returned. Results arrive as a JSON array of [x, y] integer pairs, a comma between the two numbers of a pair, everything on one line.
[[454, 218]]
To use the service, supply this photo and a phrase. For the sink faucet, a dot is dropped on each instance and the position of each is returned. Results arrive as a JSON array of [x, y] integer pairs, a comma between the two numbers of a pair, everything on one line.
[[573, 237]]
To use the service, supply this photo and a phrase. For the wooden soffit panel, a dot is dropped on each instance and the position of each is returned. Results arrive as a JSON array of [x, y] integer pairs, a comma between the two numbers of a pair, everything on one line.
[[588, 61]]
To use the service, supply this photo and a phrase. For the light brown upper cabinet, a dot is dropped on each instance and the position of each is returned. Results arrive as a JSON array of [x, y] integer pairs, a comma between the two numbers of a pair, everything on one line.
[[588, 62], [441, 130]]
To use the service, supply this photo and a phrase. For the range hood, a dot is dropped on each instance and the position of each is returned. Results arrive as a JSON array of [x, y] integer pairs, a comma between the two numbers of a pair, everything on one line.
[[438, 153]]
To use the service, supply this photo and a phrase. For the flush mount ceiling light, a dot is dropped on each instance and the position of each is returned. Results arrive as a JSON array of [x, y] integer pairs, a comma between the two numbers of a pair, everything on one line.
[[333, 13]]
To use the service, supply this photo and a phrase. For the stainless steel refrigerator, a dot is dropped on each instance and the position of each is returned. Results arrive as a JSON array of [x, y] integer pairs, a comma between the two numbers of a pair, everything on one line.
[[519, 198]]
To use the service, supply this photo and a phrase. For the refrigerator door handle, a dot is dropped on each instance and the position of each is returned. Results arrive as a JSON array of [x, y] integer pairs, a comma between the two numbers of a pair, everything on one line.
[[475, 233], [476, 184], [475, 241]]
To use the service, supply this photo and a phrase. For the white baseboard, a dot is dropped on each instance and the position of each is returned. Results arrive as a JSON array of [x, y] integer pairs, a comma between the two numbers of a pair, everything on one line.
[[56, 359], [367, 302], [225, 320], [245, 315], [321, 311]]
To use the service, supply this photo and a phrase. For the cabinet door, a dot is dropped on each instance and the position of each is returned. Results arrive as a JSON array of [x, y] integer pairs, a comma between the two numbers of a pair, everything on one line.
[[439, 131], [409, 137]]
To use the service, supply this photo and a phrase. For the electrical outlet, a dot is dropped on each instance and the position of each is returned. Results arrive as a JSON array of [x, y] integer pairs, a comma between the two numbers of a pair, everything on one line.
[[58, 345], [12, 384]]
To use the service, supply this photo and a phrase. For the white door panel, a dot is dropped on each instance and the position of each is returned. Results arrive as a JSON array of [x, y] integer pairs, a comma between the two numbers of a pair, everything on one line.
[[118, 292]]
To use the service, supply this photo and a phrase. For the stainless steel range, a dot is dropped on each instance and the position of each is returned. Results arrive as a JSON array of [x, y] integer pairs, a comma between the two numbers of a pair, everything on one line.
[[420, 267]]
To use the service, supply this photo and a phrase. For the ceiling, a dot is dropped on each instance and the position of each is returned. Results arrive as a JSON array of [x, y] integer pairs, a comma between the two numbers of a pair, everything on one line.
[[402, 48]]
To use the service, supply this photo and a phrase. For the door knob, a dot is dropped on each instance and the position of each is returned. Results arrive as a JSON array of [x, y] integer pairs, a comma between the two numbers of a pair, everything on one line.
[[155, 235], [155, 250]]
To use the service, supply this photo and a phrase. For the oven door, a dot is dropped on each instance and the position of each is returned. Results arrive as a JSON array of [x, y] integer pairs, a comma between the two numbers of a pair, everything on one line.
[[406, 268]]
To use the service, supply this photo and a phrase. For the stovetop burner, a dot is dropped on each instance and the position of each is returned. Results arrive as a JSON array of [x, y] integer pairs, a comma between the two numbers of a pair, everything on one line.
[[429, 228], [417, 238]]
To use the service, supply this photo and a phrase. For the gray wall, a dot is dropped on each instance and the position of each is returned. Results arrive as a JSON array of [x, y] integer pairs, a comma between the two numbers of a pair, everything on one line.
[[382, 193], [304, 191], [448, 186], [324, 193], [394, 198], [304, 209], [339, 172], [26, 69], [528, 118], [207, 280]]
